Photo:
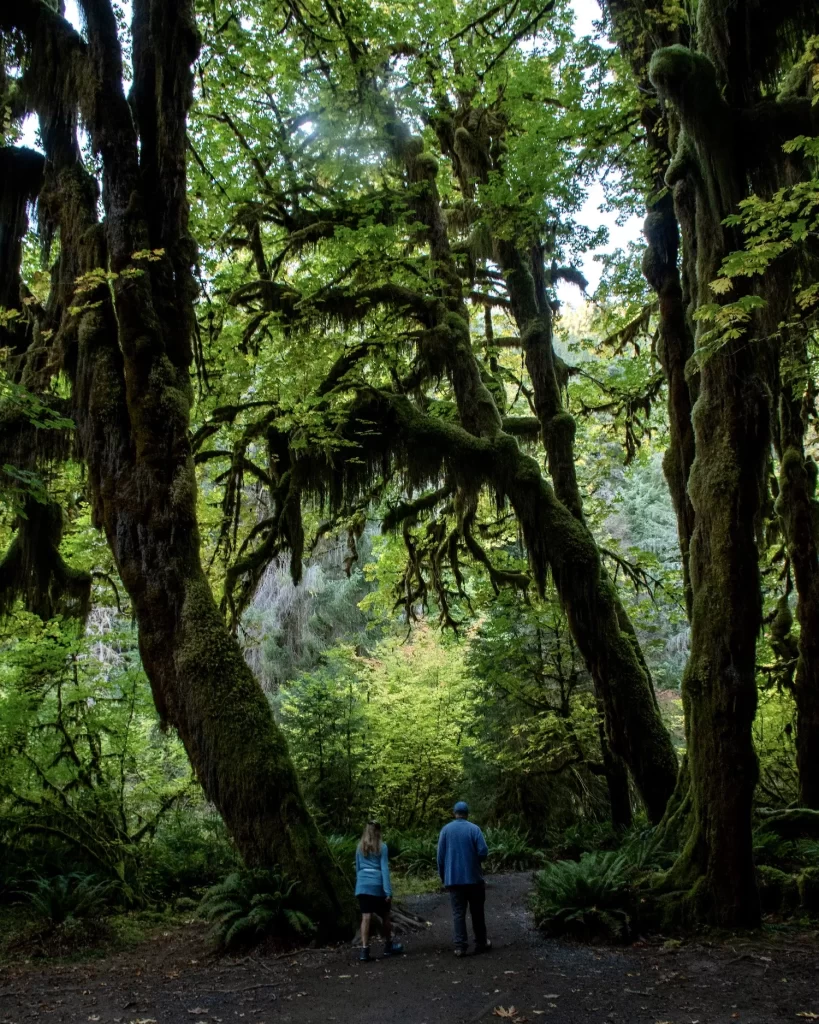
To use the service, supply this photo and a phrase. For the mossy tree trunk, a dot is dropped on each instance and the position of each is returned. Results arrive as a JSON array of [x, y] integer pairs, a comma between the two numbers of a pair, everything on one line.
[[128, 353], [606, 638], [725, 136], [640, 28], [726, 487], [599, 623], [607, 642]]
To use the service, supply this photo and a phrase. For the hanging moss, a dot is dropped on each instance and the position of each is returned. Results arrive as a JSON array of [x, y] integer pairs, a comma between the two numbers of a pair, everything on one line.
[[21, 177], [34, 571]]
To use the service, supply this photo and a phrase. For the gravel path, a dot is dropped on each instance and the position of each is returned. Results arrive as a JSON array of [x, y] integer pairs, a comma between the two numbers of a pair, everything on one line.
[[176, 979]]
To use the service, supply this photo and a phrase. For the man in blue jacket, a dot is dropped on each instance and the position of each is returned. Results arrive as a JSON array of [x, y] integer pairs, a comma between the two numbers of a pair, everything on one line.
[[461, 852]]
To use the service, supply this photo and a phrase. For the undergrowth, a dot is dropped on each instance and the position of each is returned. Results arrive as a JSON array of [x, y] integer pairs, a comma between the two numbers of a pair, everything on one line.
[[596, 896], [252, 905]]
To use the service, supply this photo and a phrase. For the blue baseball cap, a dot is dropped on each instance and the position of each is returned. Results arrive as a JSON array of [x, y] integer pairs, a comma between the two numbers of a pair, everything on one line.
[[462, 807]]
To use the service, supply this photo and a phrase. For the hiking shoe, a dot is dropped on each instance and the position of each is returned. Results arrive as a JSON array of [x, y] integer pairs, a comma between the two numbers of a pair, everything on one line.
[[393, 948], [364, 955], [485, 948]]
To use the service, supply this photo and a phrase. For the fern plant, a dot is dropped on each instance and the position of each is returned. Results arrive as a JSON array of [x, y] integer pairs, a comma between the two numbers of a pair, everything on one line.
[[416, 854], [596, 896], [252, 905], [588, 898], [511, 850], [343, 848], [70, 897]]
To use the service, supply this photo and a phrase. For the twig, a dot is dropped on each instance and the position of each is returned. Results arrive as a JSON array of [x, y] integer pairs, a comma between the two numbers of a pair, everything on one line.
[[244, 988]]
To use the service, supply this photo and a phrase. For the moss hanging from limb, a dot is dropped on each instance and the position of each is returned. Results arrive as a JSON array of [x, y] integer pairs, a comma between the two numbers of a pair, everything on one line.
[[34, 570], [21, 178]]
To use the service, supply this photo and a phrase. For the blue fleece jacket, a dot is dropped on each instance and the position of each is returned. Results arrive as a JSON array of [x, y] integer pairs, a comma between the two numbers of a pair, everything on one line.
[[461, 849], [372, 873]]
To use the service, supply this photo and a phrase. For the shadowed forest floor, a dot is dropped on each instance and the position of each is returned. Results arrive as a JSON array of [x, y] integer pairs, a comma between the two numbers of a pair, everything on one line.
[[176, 979]]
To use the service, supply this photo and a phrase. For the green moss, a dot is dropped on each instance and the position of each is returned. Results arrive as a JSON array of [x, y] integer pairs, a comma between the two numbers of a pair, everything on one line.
[[563, 428], [778, 891], [688, 78], [808, 884], [426, 166]]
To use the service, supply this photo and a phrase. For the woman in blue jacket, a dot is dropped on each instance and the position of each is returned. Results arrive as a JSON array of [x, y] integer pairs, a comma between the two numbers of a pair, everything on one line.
[[373, 888]]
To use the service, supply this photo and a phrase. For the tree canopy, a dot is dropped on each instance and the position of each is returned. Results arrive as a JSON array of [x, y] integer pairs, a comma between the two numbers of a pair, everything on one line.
[[279, 294]]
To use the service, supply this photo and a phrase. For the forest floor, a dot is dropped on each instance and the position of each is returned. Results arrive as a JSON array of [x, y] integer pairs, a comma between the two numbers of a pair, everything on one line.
[[175, 978]]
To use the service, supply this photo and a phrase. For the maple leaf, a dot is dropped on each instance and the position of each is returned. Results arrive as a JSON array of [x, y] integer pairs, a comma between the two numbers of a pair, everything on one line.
[[509, 1013]]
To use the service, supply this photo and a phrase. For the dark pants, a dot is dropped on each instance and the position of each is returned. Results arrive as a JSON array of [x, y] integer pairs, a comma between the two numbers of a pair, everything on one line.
[[474, 897]]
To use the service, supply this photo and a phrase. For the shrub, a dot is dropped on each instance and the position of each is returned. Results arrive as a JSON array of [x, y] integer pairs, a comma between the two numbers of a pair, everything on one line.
[[343, 849], [596, 896], [190, 851], [587, 898], [414, 853], [510, 850], [64, 898], [249, 906]]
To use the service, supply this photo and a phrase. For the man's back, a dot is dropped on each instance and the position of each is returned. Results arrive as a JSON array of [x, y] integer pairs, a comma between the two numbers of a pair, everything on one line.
[[461, 849]]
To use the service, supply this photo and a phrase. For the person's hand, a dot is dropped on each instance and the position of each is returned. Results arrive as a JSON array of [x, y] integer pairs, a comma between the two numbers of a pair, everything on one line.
[[388, 899]]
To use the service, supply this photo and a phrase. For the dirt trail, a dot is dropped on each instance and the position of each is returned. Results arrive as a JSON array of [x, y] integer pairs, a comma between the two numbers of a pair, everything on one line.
[[175, 980]]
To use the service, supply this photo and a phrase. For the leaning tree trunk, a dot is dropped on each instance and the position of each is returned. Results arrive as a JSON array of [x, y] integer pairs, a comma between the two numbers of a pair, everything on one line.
[[129, 361], [600, 624]]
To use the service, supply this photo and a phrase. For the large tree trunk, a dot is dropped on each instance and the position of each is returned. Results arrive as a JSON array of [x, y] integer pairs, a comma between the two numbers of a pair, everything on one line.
[[726, 486], [130, 364]]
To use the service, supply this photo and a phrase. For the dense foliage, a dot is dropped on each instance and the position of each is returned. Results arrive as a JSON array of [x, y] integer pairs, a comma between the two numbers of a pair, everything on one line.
[[318, 503]]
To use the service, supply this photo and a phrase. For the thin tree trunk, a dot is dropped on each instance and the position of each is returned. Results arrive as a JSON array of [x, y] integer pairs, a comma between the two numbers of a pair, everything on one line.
[[639, 31], [604, 636], [616, 775], [797, 508]]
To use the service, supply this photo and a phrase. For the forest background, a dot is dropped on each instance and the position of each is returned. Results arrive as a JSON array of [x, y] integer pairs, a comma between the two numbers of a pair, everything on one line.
[[413, 642]]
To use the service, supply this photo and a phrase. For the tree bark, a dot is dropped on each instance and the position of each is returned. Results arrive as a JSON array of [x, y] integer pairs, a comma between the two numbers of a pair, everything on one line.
[[639, 30], [605, 637], [726, 485], [129, 362]]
